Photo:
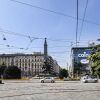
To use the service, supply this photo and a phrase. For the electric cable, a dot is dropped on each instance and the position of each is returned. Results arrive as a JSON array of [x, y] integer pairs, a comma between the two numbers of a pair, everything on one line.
[[83, 20], [51, 11]]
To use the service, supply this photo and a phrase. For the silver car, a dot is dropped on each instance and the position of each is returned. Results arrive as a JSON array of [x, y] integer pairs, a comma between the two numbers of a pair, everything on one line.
[[47, 80], [89, 79]]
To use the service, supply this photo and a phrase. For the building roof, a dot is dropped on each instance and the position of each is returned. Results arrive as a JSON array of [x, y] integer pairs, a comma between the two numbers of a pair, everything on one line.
[[21, 54], [83, 47]]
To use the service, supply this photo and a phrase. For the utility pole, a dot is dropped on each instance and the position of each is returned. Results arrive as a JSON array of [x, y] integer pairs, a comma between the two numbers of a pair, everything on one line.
[[77, 25]]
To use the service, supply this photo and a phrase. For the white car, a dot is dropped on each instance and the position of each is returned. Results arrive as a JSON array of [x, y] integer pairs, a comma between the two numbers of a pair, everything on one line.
[[66, 79], [47, 80], [88, 79]]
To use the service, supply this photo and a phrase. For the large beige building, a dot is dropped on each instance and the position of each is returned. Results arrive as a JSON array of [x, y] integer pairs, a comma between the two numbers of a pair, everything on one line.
[[30, 64]]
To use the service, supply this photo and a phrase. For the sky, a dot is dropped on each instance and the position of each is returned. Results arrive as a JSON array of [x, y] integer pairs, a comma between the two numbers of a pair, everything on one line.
[[51, 19]]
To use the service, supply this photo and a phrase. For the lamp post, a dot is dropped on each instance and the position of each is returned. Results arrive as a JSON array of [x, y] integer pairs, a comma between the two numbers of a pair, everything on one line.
[[98, 39]]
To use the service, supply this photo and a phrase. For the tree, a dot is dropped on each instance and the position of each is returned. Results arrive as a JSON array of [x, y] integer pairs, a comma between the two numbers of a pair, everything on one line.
[[2, 69], [12, 72], [47, 67], [95, 61], [63, 73]]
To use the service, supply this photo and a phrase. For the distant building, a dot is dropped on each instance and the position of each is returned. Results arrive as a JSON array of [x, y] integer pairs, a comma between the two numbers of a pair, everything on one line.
[[56, 67], [30, 64], [79, 58], [91, 44]]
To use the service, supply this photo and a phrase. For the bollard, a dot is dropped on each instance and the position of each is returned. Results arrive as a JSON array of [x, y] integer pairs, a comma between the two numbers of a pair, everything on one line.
[[1, 82]]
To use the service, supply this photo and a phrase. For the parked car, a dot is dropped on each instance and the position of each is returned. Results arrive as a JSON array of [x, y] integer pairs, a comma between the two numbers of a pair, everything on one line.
[[47, 80], [89, 79], [66, 79]]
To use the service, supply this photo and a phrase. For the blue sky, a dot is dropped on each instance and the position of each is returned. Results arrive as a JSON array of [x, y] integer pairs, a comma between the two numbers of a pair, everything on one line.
[[58, 29]]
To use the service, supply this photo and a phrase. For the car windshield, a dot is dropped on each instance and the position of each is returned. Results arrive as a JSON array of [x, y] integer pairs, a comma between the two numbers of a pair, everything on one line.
[[93, 77], [48, 78], [86, 77]]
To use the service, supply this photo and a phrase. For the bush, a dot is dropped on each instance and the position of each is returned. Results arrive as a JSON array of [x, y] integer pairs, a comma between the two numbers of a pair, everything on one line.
[[2, 69], [63, 73], [74, 79], [12, 72]]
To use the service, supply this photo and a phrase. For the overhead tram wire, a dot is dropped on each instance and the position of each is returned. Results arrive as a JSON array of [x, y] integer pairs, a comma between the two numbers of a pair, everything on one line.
[[59, 13], [59, 40], [31, 38], [83, 20], [47, 10], [18, 34], [12, 47], [77, 24], [4, 38]]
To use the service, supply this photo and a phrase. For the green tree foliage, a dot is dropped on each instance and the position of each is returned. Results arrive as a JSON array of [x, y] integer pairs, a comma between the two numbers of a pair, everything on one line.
[[2, 68], [95, 61], [63, 73], [12, 72], [47, 67]]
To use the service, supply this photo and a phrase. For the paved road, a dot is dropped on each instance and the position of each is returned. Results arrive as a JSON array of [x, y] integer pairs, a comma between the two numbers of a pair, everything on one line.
[[61, 90]]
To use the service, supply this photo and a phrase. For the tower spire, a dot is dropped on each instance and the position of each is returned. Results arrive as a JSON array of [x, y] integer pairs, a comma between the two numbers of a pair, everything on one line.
[[45, 49]]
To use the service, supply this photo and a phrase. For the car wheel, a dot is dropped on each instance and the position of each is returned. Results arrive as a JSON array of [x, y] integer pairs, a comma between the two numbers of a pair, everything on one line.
[[52, 81], [42, 81], [96, 81], [86, 82]]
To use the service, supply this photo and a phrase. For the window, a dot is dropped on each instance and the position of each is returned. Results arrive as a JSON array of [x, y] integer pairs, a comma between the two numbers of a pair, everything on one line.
[[32, 65], [25, 68], [25, 60], [35, 65], [29, 62], [38, 60], [32, 60]]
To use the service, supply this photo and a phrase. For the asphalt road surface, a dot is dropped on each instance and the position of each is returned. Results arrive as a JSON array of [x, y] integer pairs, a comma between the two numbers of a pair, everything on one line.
[[61, 90]]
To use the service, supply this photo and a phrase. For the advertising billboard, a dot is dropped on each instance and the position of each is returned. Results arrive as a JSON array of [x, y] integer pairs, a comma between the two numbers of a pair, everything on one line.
[[80, 63], [80, 55]]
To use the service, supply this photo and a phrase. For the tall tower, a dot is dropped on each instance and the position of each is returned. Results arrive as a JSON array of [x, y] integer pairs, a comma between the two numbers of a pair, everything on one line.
[[45, 49]]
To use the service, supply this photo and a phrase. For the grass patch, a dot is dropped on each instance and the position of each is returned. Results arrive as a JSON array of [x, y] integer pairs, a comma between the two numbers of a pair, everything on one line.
[[23, 78]]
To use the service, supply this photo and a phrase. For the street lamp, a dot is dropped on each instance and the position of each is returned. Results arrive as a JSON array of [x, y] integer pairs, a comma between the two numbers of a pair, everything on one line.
[[98, 39], [4, 38]]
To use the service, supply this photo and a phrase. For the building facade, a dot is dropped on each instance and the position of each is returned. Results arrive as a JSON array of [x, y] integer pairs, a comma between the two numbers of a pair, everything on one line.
[[30, 64], [56, 67], [80, 63]]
